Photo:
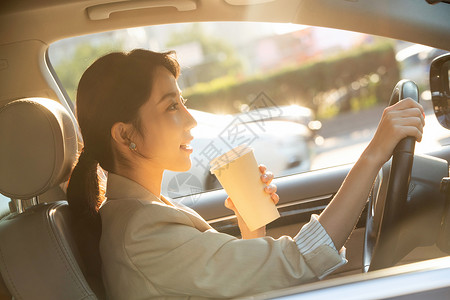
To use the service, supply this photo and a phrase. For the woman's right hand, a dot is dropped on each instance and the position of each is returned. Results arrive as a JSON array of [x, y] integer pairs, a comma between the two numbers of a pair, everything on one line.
[[403, 119]]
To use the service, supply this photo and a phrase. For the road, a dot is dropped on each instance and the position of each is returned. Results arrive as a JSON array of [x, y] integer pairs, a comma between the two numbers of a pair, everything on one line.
[[346, 136]]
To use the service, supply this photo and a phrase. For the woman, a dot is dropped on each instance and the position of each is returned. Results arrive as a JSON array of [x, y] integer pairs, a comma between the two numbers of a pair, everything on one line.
[[135, 125]]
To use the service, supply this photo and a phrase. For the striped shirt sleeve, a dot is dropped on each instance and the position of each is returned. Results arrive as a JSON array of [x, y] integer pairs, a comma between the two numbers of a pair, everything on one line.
[[311, 237]]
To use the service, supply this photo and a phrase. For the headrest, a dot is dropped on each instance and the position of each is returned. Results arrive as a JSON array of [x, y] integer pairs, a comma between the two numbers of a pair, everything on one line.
[[38, 147]]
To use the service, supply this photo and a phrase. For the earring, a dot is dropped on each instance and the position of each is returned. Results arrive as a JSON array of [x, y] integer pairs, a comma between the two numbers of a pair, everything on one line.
[[132, 146]]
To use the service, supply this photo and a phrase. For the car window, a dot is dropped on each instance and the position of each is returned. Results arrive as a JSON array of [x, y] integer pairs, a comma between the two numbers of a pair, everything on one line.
[[304, 98], [4, 205]]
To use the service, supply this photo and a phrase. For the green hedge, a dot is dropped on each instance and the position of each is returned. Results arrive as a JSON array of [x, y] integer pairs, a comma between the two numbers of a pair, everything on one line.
[[301, 84]]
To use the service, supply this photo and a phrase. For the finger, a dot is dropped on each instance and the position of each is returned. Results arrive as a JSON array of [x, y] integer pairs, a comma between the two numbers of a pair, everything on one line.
[[270, 189], [411, 131], [226, 203], [262, 168], [267, 177], [229, 204], [411, 121], [275, 198], [409, 112], [407, 103], [395, 119], [401, 109]]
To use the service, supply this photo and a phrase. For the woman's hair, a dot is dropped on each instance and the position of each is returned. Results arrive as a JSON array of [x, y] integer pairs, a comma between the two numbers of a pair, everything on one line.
[[111, 90]]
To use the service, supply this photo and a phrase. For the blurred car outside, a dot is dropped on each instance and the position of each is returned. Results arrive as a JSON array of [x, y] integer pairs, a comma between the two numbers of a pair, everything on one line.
[[290, 113], [283, 145], [293, 113]]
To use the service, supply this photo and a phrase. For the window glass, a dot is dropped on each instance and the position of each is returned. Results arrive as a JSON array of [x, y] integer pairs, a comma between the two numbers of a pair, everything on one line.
[[303, 97], [4, 205]]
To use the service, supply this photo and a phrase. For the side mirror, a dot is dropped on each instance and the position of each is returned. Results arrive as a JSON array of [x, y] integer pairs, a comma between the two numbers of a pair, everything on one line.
[[440, 88]]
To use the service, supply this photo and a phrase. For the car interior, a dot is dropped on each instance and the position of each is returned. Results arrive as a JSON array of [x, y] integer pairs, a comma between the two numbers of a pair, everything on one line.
[[42, 229], [40, 138]]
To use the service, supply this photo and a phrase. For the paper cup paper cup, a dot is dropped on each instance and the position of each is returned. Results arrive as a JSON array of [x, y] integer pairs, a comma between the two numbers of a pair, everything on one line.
[[238, 173]]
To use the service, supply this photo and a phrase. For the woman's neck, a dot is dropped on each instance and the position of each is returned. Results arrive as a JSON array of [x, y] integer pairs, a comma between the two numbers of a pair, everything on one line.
[[150, 178]]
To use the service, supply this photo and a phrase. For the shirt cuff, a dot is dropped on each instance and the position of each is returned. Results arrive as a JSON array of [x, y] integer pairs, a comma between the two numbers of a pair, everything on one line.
[[318, 249]]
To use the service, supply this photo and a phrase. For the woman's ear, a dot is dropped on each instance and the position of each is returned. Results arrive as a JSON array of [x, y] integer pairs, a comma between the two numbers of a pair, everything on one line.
[[121, 134]]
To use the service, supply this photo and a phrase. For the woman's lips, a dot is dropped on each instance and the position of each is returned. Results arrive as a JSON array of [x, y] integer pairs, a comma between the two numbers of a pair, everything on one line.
[[187, 148]]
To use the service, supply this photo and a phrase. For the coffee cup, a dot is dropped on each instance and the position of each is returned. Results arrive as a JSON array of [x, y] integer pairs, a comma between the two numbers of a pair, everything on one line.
[[238, 173]]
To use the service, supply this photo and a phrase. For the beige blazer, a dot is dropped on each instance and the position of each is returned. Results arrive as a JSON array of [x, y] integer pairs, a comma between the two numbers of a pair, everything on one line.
[[151, 248]]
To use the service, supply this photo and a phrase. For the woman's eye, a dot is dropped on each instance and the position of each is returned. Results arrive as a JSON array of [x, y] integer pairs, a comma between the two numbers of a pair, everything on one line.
[[174, 106]]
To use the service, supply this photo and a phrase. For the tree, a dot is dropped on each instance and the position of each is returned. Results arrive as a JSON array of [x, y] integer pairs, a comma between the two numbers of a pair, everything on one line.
[[70, 69], [220, 58]]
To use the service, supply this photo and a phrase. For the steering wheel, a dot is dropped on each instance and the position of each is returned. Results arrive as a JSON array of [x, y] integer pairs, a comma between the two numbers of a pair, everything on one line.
[[389, 196]]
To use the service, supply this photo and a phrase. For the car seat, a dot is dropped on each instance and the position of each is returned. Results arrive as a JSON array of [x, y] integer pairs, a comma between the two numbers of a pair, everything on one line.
[[39, 258]]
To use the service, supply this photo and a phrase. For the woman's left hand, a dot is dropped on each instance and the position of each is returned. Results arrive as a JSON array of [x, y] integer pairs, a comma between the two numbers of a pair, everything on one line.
[[270, 188]]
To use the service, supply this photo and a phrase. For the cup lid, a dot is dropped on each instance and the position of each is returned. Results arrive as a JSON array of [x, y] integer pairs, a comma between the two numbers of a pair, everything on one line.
[[229, 156]]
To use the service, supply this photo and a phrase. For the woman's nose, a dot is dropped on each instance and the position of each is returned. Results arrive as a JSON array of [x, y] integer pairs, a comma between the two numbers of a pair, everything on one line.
[[191, 122]]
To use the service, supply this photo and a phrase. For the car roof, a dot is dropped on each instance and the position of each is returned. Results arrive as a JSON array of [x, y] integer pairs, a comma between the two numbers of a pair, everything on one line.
[[51, 20]]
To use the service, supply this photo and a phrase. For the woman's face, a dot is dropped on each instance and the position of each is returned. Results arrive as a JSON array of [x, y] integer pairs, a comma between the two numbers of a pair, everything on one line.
[[165, 125]]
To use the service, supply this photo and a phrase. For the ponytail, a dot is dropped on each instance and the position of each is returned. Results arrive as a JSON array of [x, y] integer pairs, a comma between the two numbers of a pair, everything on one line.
[[85, 197], [83, 193]]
